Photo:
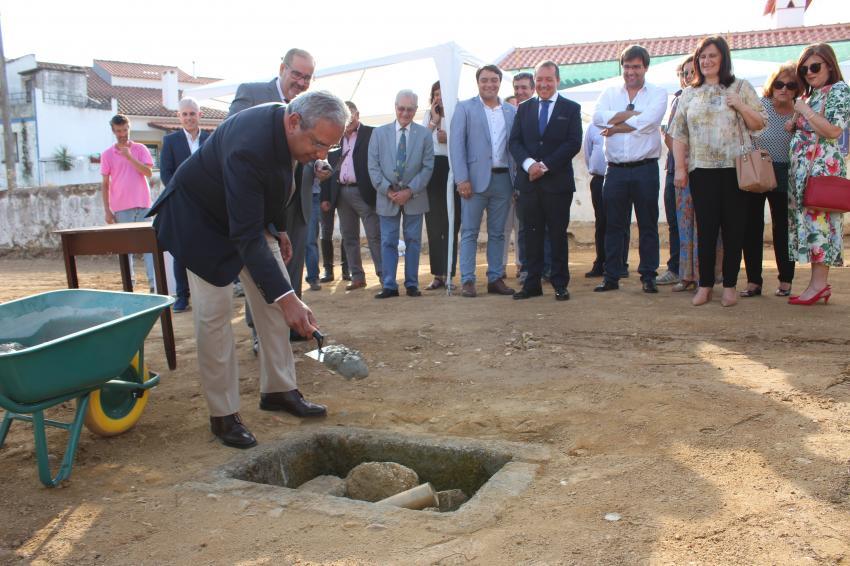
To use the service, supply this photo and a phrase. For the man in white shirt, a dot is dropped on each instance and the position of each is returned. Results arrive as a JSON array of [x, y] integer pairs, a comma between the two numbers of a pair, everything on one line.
[[482, 167], [630, 116]]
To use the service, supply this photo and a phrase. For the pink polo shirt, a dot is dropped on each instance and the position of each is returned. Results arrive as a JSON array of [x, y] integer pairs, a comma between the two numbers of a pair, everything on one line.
[[127, 187]]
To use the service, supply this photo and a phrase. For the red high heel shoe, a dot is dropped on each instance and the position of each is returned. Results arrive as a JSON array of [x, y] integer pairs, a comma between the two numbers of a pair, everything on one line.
[[824, 294]]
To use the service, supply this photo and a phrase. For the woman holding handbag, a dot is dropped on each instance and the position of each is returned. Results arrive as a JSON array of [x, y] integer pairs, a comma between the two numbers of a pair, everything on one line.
[[816, 236], [706, 142], [780, 90]]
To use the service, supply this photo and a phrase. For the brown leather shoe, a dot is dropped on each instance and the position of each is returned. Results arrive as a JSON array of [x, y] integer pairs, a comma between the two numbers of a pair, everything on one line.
[[293, 403], [498, 287], [232, 432], [359, 284], [468, 290]]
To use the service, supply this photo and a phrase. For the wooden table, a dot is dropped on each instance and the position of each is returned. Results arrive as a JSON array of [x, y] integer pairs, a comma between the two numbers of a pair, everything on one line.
[[122, 239]]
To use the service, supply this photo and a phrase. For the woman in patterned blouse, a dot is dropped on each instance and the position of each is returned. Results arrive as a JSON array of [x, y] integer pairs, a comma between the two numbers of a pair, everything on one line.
[[706, 141], [816, 237], [780, 90]]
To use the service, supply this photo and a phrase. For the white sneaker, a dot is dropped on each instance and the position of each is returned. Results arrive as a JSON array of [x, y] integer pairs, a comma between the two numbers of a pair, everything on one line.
[[668, 278]]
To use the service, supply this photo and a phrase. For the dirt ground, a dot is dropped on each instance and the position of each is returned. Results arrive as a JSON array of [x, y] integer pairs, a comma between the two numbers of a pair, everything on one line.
[[720, 435]]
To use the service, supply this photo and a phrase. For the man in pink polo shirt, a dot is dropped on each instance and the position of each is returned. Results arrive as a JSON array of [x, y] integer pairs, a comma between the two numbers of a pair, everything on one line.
[[126, 167]]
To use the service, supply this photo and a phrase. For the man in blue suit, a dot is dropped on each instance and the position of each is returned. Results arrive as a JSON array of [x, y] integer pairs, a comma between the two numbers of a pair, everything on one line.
[[176, 148], [220, 215], [482, 169], [546, 135]]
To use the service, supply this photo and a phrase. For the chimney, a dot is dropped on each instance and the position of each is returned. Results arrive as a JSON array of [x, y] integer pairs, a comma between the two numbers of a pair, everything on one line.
[[170, 94], [789, 13]]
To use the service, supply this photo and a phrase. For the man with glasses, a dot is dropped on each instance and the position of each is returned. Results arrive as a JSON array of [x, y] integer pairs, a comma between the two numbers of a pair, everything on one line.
[[630, 117], [401, 160]]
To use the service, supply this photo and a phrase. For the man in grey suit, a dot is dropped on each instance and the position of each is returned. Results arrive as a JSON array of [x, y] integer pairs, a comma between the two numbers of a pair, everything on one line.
[[296, 72], [482, 169], [401, 159]]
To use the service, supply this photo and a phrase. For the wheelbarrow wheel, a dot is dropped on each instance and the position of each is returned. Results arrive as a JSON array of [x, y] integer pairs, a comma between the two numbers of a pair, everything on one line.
[[112, 411]]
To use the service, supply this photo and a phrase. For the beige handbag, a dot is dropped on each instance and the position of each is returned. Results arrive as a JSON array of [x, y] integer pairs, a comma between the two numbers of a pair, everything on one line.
[[754, 167]]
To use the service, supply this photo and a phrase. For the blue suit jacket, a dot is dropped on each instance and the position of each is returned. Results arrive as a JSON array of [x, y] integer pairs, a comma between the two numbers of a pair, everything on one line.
[[471, 151], [175, 150], [214, 213], [560, 142]]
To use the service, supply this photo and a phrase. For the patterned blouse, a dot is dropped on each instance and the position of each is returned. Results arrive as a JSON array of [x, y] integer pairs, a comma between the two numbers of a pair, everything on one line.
[[773, 137], [710, 127]]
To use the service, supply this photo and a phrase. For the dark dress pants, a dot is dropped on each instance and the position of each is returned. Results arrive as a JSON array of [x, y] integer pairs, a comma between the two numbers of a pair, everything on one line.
[[754, 231], [181, 280], [596, 183], [540, 211], [672, 222], [437, 219], [638, 185], [719, 205]]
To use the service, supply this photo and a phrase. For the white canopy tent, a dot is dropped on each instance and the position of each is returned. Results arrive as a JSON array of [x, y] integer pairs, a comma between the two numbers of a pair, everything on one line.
[[372, 84]]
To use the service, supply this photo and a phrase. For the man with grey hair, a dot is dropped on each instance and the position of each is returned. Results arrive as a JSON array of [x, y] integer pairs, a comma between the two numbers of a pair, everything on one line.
[[296, 72], [176, 148], [222, 216], [401, 159]]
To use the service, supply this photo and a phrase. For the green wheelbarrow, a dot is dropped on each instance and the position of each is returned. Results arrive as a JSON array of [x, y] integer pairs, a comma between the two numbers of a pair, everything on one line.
[[75, 344]]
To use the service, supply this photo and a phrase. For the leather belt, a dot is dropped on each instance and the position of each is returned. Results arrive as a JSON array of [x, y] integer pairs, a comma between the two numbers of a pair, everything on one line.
[[499, 170], [633, 163]]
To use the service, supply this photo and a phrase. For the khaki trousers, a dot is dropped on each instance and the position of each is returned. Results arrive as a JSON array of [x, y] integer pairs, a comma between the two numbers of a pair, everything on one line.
[[212, 307]]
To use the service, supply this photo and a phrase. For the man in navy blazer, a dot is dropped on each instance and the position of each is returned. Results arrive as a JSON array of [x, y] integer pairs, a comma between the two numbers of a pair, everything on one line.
[[546, 135], [220, 215], [176, 148]]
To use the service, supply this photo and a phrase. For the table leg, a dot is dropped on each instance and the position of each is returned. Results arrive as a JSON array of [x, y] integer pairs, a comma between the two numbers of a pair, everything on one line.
[[70, 266], [165, 317], [126, 278]]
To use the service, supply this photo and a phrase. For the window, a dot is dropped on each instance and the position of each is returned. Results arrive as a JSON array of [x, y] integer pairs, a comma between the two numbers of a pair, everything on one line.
[[154, 149]]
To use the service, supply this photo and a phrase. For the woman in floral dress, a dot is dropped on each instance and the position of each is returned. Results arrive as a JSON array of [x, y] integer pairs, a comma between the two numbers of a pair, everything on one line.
[[816, 237]]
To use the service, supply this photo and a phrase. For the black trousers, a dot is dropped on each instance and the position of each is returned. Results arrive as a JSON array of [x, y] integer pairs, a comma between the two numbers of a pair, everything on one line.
[[599, 225], [719, 205], [754, 231], [540, 210], [437, 219]]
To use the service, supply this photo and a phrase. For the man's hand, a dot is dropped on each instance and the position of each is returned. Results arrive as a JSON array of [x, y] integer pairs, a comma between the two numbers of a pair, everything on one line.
[[402, 196], [536, 171], [616, 129], [297, 315], [326, 206], [109, 217], [285, 247], [322, 170], [124, 150], [464, 189]]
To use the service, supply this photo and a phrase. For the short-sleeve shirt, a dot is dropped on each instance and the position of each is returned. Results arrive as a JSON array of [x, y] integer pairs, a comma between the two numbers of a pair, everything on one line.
[[710, 127], [127, 187], [774, 138]]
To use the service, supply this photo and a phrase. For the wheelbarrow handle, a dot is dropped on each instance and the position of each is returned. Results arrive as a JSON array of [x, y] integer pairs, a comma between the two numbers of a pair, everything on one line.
[[153, 381]]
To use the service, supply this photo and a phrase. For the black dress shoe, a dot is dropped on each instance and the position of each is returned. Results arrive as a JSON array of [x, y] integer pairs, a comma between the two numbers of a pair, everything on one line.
[[230, 430], [594, 273], [327, 277], [561, 294], [650, 286], [527, 293], [413, 292], [293, 403], [606, 286], [387, 293], [346, 275], [295, 337]]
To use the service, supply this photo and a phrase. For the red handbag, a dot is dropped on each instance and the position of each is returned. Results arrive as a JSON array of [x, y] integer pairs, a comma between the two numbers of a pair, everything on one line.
[[827, 193]]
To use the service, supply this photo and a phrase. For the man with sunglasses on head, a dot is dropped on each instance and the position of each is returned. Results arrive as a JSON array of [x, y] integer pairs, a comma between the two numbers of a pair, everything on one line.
[[630, 117]]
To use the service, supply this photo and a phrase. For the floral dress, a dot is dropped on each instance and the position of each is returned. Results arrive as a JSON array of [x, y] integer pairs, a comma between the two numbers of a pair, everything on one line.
[[816, 236]]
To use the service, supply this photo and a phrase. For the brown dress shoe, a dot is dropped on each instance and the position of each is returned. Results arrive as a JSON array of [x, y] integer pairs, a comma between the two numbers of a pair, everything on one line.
[[359, 284], [498, 287], [293, 403], [468, 290], [232, 432]]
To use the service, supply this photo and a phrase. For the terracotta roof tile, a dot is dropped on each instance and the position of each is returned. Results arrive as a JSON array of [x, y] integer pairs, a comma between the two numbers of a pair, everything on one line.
[[40, 65], [150, 72], [136, 101], [526, 57]]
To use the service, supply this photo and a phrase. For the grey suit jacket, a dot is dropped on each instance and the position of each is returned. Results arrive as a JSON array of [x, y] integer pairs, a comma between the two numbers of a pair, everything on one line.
[[471, 151], [417, 169]]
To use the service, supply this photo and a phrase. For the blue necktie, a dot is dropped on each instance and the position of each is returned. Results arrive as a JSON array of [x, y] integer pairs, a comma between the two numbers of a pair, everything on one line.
[[544, 115], [401, 156]]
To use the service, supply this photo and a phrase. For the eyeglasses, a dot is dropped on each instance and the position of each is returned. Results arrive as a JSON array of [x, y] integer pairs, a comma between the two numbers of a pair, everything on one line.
[[814, 68], [301, 77], [321, 145], [411, 109], [779, 85]]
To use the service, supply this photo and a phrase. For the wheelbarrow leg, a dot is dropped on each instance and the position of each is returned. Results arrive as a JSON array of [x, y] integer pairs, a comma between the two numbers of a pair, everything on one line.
[[4, 426], [70, 451]]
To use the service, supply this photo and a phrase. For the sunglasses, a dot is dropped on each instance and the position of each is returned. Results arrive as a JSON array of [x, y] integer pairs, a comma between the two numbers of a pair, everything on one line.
[[630, 107], [813, 68], [791, 85]]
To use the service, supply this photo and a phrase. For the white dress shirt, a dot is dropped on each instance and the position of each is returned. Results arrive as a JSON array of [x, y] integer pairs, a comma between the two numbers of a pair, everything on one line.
[[594, 154], [645, 141], [529, 161], [194, 144], [498, 133], [398, 129], [279, 91]]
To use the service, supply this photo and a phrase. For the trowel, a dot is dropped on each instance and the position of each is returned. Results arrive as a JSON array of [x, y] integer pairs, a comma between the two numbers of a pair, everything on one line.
[[317, 354]]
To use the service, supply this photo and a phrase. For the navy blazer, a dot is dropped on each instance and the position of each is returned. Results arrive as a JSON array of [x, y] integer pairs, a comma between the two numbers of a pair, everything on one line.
[[561, 141], [214, 213], [175, 150], [361, 170]]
